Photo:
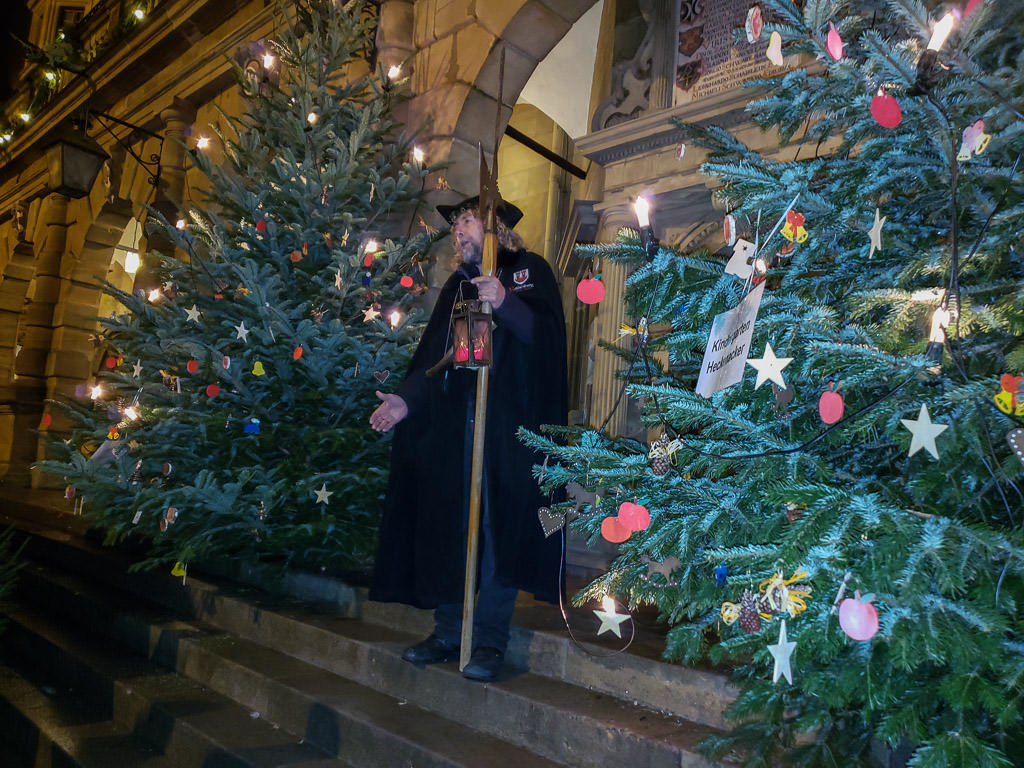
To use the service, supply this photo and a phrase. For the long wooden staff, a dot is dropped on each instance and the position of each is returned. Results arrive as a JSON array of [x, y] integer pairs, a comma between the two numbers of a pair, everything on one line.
[[489, 200]]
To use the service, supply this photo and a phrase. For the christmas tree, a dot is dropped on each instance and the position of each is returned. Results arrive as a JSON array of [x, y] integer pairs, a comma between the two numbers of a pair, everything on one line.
[[848, 539], [228, 419]]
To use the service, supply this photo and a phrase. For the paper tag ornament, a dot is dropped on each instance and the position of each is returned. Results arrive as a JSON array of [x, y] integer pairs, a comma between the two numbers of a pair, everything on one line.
[[858, 617], [923, 432], [664, 567], [1009, 400], [755, 23], [1015, 439], [774, 52], [781, 653], [875, 233], [742, 262], [974, 141], [551, 522], [794, 229], [834, 43], [725, 356], [614, 531], [886, 110], [582, 496], [729, 229], [769, 367], [590, 290], [830, 404], [634, 517], [610, 619], [721, 574]]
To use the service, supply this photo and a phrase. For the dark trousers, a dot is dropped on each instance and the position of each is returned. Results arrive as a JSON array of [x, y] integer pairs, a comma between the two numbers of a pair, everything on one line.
[[492, 618]]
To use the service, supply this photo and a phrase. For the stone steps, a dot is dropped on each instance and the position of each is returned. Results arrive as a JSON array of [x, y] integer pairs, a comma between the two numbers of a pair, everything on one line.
[[104, 700], [280, 665], [538, 642], [329, 714], [338, 682], [40, 727]]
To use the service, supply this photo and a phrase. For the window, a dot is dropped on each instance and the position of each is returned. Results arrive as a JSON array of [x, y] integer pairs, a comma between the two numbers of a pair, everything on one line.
[[68, 16]]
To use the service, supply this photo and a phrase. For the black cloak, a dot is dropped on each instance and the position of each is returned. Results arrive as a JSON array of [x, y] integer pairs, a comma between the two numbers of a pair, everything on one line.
[[422, 551]]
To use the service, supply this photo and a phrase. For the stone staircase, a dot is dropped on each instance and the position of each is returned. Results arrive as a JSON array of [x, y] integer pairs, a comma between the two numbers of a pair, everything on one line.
[[102, 667]]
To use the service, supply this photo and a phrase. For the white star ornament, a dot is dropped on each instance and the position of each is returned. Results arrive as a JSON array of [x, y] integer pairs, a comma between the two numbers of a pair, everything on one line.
[[923, 432], [876, 234], [323, 495], [769, 367], [610, 620], [781, 652]]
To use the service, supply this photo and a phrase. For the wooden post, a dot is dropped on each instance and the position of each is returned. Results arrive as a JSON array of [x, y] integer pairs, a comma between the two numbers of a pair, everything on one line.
[[476, 476], [487, 213]]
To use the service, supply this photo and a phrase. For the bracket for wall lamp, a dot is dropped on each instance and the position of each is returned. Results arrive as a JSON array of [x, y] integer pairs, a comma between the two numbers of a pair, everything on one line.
[[150, 167]]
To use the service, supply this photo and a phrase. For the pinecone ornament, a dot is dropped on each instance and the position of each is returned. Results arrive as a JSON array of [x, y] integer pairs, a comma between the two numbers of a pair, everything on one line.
[[659, 456], [750, 617]]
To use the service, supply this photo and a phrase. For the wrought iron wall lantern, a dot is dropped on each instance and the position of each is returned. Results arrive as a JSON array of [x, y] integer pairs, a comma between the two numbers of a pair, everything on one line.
[[74, 159]]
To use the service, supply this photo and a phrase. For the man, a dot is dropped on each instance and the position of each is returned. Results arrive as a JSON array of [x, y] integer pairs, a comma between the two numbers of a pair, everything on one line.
[[421, 558]]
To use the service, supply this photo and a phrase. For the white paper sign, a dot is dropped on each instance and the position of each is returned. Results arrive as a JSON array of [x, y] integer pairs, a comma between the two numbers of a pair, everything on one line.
[[742, 262], [726, 354]]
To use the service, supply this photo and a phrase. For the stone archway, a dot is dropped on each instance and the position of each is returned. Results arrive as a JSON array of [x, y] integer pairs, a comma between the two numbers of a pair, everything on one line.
[[55, 328], [455, 72]]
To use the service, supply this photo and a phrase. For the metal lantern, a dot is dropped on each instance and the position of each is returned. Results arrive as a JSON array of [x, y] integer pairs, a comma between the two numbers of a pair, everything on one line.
[[74, 161], [471, 335]]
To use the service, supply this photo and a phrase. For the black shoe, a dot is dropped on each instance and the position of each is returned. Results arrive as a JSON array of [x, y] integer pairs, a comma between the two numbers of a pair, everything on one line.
[[484, 664], [433, 650]]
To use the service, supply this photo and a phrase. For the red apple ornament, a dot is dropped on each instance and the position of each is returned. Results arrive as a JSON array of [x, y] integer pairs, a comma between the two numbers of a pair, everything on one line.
[[834, 43], [590, 290], [886, 110], [634, 517], [830, 404], [613, 530], [858, 617], [192, 366]]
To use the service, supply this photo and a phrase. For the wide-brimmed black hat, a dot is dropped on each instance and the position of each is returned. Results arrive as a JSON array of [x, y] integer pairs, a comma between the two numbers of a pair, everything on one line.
[[508, 213]]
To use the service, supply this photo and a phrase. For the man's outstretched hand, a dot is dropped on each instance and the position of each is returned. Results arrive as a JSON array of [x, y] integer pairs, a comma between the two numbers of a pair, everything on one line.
[[389, 412]]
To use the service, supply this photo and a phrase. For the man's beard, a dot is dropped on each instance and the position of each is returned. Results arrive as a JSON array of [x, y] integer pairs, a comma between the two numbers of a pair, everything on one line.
[[471, 253]]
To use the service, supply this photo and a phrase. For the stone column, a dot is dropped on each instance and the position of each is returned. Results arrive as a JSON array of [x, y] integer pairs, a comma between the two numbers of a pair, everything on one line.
[[37, 322], [663, 61], [395, 34], [176, 119], [611, 314], [170, 193], [36, 337]]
